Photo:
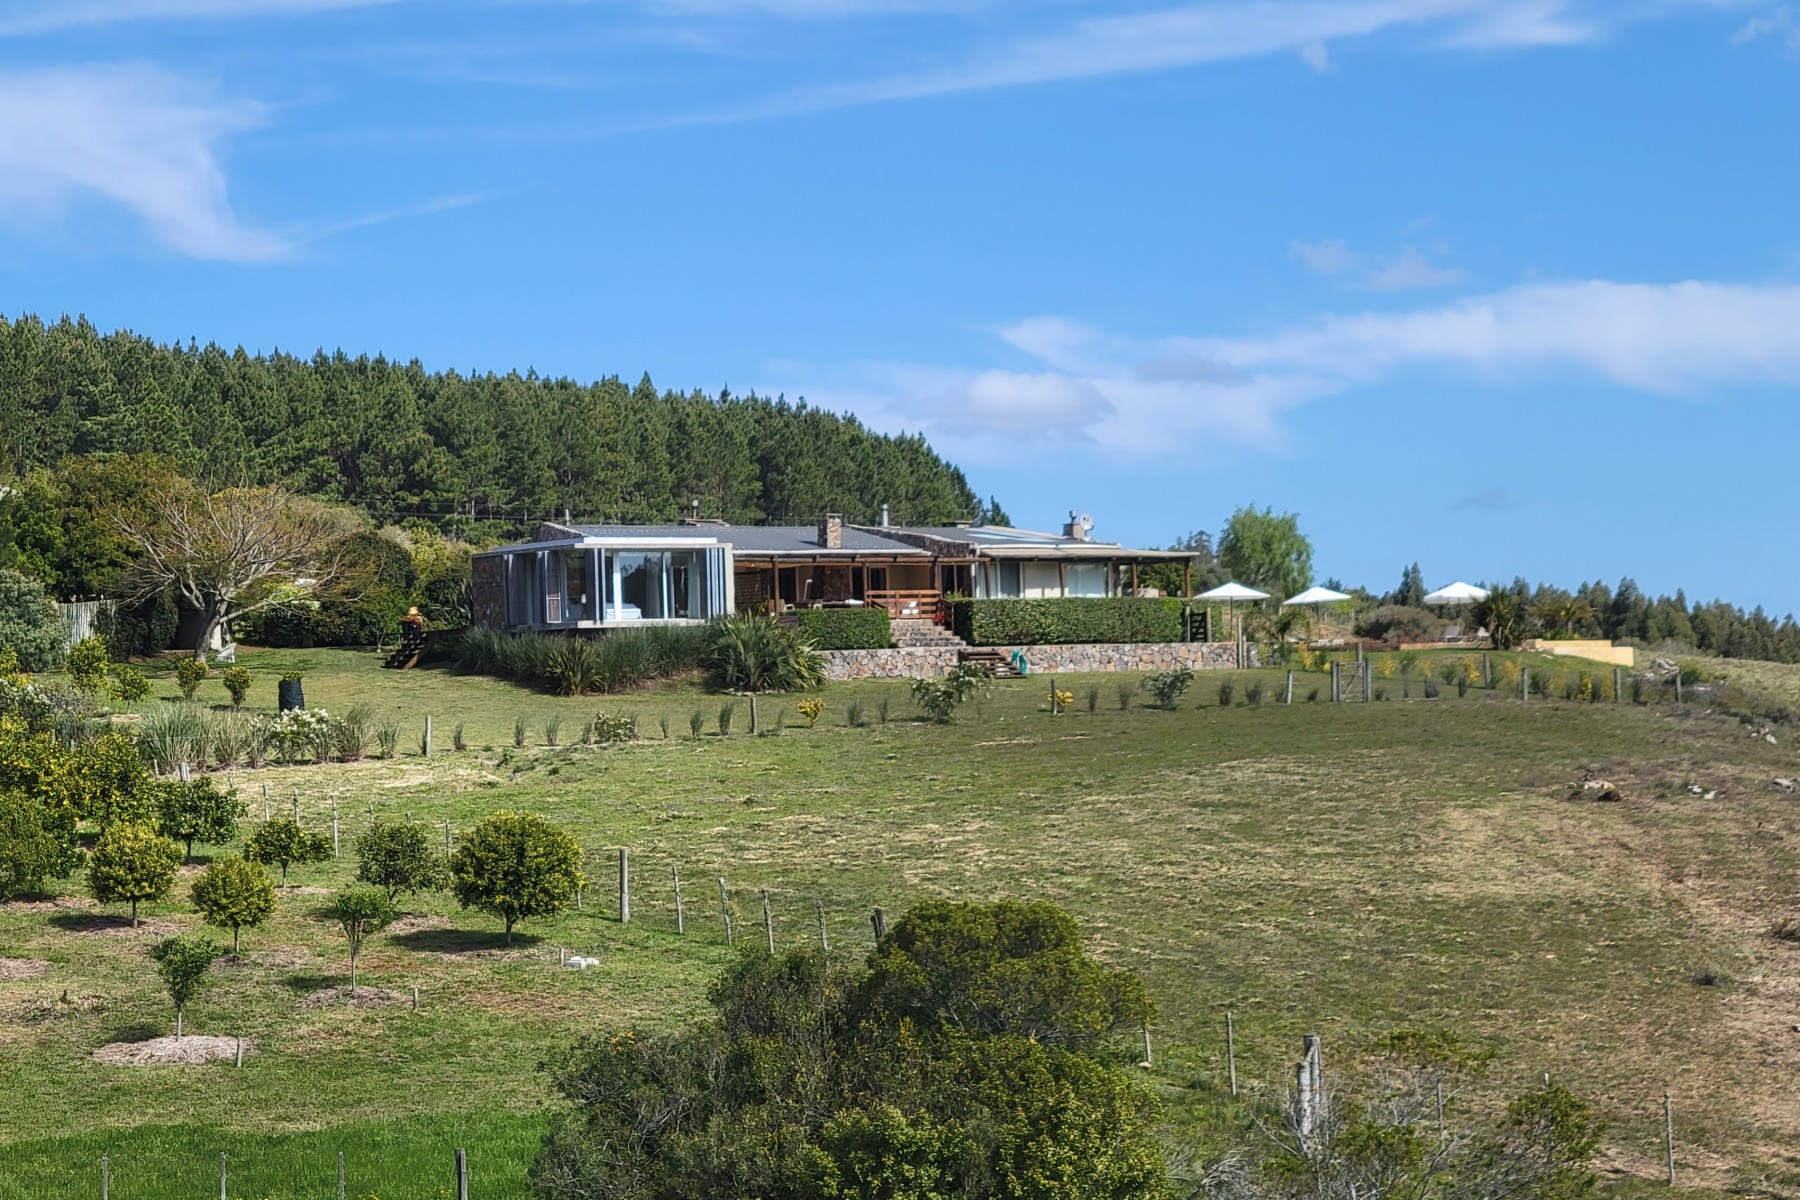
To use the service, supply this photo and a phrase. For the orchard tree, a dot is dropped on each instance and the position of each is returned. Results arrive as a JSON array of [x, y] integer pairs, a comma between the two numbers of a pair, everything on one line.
[[360, 909], [1266, 551], [516, 865], [233, 893], [233, 552], [183, 962], [37, 844], [284, 843], [132, 863], [197, 811], [398, 856]]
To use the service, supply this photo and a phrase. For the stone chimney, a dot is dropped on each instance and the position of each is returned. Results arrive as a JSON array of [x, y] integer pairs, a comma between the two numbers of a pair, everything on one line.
[[1076, 528], [831, 532]]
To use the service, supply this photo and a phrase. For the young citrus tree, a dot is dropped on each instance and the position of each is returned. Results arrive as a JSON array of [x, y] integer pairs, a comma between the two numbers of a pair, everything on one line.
[[132, 863], [197, 811], [398, 856], [516, 865], [233, 893], [360, 910], [182, 962], [284, 843]]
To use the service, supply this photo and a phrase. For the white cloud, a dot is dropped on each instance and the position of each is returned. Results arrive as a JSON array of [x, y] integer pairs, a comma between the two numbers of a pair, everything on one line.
[[1181, 396], [1779, 25], [132, 135], [31, 18], [1405, 271]]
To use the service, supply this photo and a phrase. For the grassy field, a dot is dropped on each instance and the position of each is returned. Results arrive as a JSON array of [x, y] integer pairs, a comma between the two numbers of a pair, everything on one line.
[[1350, 869]]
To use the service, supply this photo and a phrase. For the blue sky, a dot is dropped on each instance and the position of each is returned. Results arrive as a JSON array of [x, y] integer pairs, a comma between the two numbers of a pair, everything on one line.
[[1502, 286]]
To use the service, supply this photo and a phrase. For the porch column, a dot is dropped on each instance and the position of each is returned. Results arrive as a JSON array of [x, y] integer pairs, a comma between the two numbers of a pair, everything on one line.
[[1062, 579], [1134, 585]]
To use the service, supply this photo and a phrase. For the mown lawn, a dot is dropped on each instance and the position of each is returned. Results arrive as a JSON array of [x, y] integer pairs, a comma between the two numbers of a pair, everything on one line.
[[1347, 869]]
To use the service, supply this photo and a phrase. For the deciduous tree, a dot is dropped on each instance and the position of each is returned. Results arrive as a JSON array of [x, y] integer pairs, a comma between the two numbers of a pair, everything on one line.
[[1266, 551], [233, 552]]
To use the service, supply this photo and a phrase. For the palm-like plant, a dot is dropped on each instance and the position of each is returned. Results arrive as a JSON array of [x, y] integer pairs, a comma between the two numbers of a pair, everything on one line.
[[1504, 615], [1276, 630], [753, 653], [1564, 613]]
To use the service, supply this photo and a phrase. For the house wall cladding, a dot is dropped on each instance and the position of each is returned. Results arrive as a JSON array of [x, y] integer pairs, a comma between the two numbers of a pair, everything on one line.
[[487, 592], [915, 663]]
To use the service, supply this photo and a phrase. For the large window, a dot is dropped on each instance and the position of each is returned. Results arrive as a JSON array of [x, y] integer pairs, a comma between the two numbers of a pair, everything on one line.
[[1087, 579], [687, 584], [578, 586], [1011, 580], [641, 587]]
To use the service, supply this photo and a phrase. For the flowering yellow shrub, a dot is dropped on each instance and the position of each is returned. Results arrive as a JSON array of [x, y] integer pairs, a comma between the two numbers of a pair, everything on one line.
[[810, 708]]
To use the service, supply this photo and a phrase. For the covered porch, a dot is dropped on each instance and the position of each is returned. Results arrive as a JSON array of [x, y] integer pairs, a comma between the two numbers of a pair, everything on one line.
[[905, 587]]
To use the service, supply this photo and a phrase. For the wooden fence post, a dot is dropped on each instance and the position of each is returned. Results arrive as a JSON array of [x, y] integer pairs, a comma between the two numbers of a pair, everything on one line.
[[415, 997], [240, 1052], [1231, 1053], [222, 1195], [1148, 1061], [340, 1175], [462, 1174], [446, 837], [1669, 1136], [1524, 684], [1440, 1110], [1336, 684], [1487, 674], [334, 828], [1678, 685], [105, 1178], [725, 907], [1364, 665], [265, 801], [768, 921], [425, 746], [1618, 685], [879, 920], [680, 922], [624, 886], [824, 942], [1289, 700]]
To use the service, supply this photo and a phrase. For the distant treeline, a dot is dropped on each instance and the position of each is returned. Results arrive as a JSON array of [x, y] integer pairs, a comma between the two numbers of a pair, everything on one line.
[[1627, 614], [480, 455]]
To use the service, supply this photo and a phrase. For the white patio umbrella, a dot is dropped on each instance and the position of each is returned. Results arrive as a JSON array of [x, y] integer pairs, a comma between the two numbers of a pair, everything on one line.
[[1457, 593], [1316, 595], [1231, 593]]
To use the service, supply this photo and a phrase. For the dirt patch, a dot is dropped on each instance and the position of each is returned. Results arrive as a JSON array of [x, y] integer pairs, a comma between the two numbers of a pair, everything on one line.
[[22, 968], [58, 904], [42, 1010], [364, 997], [307, 890], [406, 925], [189, 1051], [109, 925]]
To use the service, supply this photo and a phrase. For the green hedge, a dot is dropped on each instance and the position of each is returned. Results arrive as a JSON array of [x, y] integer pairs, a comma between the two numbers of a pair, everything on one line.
[[846, 628], [1067, 621]]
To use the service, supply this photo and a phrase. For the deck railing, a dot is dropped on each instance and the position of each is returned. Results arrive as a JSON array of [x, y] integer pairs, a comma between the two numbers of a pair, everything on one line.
[[916, 604]]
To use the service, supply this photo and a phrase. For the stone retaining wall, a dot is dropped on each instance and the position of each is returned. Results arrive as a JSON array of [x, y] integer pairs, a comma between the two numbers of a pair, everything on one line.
[[921, 662], [913, 662]]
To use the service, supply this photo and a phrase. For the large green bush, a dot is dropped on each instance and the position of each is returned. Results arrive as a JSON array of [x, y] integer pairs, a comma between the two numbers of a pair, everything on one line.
[[1067, 621], [615, 661], [29, 623], [382, 585], [846, 628]]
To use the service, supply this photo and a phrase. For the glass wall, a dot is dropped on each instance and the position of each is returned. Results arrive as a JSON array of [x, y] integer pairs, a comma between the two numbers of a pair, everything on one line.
[[642, 586], [1087, 579]]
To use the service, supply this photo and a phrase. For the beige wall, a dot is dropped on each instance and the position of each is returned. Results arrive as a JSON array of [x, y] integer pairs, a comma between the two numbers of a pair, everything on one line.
[[1599, 651]]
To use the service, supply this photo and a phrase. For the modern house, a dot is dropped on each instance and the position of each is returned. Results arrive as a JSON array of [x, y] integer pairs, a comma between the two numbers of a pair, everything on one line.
[[607, 576]]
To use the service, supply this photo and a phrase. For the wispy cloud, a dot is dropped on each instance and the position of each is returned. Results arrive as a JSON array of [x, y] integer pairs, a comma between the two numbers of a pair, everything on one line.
[[136, 136], [1406, 271], [1486, 500], [1182, 395], [1778, 25], [33, 18], [1198, 34], [426, 209]]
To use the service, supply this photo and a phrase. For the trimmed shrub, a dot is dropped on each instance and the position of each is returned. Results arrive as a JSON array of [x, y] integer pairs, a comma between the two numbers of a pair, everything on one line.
[[846, 628], [1066, 621], [1400, 623], [29, 622]]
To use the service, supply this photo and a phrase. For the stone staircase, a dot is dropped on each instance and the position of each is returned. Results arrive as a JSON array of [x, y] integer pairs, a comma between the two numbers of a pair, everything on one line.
[[997, 663], [911, 633]]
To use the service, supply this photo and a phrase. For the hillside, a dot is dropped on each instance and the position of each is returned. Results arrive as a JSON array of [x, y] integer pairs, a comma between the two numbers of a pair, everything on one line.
[[1350, 870]]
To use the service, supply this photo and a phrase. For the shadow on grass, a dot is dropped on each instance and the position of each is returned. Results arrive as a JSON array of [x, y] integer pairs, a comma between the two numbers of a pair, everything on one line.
[[312, 981], [463, 941], [90, 922], [138, 1031]]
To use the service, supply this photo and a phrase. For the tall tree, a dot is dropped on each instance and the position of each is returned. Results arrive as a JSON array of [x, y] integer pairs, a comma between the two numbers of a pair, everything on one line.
[[1266, 551], [233, 552]]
